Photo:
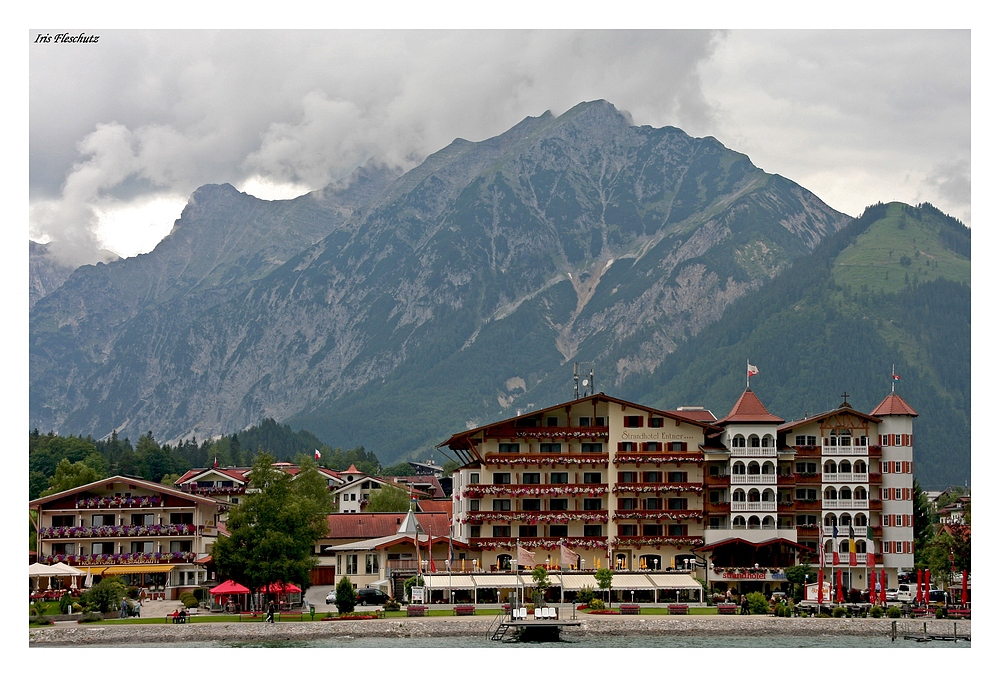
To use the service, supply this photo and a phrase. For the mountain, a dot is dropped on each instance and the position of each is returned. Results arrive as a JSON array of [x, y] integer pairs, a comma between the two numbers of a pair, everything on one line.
[[45, 272], [393, 310], [890, 293]]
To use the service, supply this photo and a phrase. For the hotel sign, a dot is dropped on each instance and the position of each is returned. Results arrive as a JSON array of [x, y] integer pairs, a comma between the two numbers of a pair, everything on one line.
[[652, 434], [754, 575]]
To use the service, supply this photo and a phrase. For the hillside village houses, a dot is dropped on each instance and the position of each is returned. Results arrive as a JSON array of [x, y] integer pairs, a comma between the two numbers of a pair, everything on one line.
[[666, 498]]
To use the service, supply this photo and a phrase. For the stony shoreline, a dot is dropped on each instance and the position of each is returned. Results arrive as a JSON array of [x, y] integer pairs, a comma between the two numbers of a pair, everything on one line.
[[88, 635]]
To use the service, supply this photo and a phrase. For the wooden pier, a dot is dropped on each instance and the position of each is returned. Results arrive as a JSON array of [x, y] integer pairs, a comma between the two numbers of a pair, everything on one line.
[[518, 627]]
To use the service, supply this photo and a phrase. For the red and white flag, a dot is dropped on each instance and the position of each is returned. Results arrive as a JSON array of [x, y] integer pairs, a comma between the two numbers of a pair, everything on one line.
[[525, 558], [318, 455], [752, 370], [896, 377]]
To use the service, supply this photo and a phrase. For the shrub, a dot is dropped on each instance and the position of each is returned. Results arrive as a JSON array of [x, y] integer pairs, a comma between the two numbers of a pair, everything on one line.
[[66, 604], [346, 597], [189, 600], [391, 605], [758, 603], [596, 604], [823, 615], [940, 613], [877, 612], [91, 617], [839, 612], [199, 594], [893, 612], [585, 595]]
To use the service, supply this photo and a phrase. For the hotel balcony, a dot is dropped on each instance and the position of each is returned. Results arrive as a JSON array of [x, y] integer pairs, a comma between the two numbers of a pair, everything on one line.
[[809, 451], [845, 478], [122, 531], [658, 515], [808, 478], [658, 488], [760, 478], [859, 532], [862, 559], [716, 480], [806, 506], [639, 541], [657, 458], [533, 459], [510, 432], [536, 517], [717, 508], [480, 490], [543, 542], [754, 506], [753, 452], [845, 504], [122, 558]]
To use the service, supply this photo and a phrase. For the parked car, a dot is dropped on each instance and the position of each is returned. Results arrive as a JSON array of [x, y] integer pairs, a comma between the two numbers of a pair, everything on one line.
[[906, 592], [890, 595], [938, 597], [371, 596], [331, 597]]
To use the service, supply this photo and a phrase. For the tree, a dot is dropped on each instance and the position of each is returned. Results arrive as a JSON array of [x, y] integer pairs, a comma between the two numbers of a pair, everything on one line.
[[449, 467], [541, 579], [71, 475], [388, 499], [923, 527], [798, 575], [346, 596], [603, 577], [273, 531], [104, 596], [402, 469]]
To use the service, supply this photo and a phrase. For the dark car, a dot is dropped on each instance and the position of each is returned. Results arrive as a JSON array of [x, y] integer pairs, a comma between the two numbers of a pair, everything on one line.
[[371, 596]]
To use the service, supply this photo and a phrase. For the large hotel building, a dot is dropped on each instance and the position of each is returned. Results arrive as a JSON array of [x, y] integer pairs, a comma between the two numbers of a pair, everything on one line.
[[735, 499]]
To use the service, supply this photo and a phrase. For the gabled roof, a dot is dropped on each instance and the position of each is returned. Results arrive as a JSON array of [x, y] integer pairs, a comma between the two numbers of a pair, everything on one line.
[[894, 405], [749, 409], [365, 525], [100, 486], [826, 414], [194, 475]]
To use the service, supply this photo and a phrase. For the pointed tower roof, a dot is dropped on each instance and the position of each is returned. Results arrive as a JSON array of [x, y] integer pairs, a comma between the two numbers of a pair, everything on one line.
[[749, 409], [410, 525], [894, 405], [352, 469]]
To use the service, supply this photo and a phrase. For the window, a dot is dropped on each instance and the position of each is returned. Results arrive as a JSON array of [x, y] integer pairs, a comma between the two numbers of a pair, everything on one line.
[[474, 478], [558, 530], [527, 531], [592, 504], [474, 504], [584, 421], [627, 446], [62, 520], [677, 446], [142, 519], [655, 421], [652, 529], [593, 530], [559, 478], [474, 531], [501, 532], [633, 422], [805, 494], [142, 546], [531, 504], [804, 520], [591, 478], [599, 422], [652, 504], [591, 447], [677, 530], [352, 564], [510, 448], [550, 448], [102, 520], [501, 478], [552, 421], [627, 503], [558, 504], [103, 548], [627, 530], [899, 494], [800, 440], [652, 446], [501, 504], [182, 518], [899, 467], [738, 441], [531, 478], [677, 504], [677, 477], [650, 477], [180, 546], [627, 477]]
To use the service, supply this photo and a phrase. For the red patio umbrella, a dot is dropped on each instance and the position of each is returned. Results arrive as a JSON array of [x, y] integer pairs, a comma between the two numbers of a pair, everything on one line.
[[230, 587], [920, 586], [927, 586], [965, 587], [871, 588], [819, 589], [840, 590], [282, 587], [882, 594]]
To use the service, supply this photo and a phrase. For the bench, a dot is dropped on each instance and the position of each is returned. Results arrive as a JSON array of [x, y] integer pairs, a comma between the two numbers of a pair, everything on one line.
[[252, 615], [414, 610], [629, 609], [959, 613], [170, 618], [729, 609], [281, 615], [465, 610], [675, 609]]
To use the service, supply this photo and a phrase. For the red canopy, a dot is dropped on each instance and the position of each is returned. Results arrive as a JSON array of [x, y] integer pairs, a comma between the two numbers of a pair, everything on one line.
[[840, 589], [819, 589], [965, 587], [920, 586], [229, 588], [278, 587], [882, 594]]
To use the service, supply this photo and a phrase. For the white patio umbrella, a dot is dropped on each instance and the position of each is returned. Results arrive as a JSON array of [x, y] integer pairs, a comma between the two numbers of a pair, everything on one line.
[[38, 570]]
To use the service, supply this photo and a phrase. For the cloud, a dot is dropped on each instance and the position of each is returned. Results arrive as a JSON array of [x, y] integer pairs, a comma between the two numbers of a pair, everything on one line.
[[854, 116]]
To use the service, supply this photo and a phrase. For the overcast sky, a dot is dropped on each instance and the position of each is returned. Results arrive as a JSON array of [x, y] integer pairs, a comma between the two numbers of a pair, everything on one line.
[[124, 129]]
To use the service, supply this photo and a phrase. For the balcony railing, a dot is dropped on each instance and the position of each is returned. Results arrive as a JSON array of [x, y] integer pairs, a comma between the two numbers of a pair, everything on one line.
[[753, 452], [91, 502], [480, 490], [122, 558], [536, 517], [214, 490], [754, 506], [639, 541], [154, 530], [534, 459], [515, 432], [657, 457], [545, 542], [852, 450], [859, 532], [845, 558], [808, 478], [658, 515], [845, 504], [658, 487], [846, 477], [807, 451], [760, 478]]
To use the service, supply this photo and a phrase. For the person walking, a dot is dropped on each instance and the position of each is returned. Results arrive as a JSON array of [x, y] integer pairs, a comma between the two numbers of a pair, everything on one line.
[[744, 606], [124, 610], [270, 612]]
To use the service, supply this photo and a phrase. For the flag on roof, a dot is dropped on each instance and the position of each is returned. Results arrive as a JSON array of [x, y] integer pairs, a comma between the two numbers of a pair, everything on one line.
[[896, 377], [752, 370]]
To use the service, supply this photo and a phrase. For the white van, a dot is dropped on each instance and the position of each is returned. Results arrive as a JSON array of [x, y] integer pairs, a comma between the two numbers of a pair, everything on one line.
[[906, 592]]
